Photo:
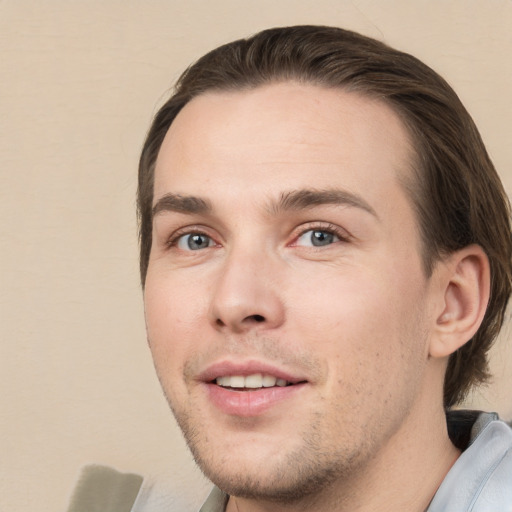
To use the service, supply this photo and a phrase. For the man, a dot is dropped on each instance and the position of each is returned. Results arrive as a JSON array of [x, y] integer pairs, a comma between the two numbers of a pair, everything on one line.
[[325, 256]]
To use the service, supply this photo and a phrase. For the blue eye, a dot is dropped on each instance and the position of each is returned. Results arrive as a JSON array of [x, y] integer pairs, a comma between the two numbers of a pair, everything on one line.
[[317, 238], [194, 242]]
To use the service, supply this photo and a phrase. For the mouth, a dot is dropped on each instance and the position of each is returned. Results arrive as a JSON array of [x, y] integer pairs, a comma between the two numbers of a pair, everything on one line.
[[250, 389], [251, 382]]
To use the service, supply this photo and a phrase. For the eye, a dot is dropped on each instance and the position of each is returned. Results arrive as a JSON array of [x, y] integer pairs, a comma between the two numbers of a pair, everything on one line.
[[317, 238], [194, 242]]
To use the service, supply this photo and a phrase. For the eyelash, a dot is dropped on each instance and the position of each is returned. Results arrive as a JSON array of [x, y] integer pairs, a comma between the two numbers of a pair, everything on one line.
[[325, 228], [332, 229], [189, 230]]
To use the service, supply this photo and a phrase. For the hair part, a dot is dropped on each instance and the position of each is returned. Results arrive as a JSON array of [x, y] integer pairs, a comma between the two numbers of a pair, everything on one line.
[[456, 193]]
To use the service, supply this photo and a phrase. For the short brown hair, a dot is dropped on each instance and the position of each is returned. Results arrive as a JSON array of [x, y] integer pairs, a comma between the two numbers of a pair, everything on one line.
[[456, 192]]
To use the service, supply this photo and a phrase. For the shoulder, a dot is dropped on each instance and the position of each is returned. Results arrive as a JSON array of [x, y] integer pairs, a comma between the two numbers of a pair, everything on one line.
[[481, 479], [216, 502]]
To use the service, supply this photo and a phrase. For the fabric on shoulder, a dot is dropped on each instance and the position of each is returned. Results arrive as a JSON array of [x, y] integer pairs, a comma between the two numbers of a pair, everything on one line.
[[216, 502], [481, 479], [103, 489]]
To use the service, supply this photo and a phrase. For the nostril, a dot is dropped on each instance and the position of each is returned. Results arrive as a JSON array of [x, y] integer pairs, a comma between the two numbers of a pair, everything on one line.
[[247, 321], [257, 318]]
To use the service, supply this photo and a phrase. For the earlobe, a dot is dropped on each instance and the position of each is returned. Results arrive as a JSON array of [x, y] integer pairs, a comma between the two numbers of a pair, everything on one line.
[[465, 281]]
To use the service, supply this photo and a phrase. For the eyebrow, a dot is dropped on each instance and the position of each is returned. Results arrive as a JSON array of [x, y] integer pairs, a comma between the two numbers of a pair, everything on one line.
[[293, 200], [309, 198], [181, 204]]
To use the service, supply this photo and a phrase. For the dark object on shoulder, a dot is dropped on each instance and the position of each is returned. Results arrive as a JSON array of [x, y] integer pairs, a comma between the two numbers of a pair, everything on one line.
[[103, 489]]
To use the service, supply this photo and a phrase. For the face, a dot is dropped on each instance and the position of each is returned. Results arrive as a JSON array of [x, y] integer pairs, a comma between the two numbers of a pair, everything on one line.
[[287, 310]]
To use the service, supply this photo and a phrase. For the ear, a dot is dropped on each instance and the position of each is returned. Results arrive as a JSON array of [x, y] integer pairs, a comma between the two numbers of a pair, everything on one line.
[[465, 283]]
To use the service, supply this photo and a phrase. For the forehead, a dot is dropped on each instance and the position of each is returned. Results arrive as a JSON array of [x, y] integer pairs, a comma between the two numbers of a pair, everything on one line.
[[285, 135]]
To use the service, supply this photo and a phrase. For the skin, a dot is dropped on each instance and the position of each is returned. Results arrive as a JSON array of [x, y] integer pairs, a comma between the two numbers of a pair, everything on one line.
[[355, 319]]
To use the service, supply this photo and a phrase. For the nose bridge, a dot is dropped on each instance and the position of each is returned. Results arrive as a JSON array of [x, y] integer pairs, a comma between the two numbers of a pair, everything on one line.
[[246, 294]]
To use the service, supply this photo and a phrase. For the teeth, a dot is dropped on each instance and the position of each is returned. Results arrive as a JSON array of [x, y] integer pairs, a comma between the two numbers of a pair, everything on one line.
[[237, 381], [254, 381], [269, 381], [223, 381]]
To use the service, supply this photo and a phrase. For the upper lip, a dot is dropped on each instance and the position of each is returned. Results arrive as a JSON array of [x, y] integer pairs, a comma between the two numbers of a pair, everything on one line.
[[226, 368]]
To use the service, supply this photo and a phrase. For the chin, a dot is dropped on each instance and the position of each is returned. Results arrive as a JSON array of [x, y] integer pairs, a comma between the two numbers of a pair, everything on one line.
[[284, 478]]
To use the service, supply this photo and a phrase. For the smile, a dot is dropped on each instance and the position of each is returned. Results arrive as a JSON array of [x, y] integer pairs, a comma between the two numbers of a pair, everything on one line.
[[254, 381]]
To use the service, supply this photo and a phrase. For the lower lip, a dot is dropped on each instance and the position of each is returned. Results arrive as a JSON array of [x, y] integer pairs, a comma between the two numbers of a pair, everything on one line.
[[250, 403]]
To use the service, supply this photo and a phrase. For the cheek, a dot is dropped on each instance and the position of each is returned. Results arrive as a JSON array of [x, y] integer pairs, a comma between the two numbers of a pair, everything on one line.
[[343, 301], [364, 323], [172, 313]]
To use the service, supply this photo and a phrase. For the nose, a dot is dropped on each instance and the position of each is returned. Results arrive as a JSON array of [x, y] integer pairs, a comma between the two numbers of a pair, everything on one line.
[[246, 294]]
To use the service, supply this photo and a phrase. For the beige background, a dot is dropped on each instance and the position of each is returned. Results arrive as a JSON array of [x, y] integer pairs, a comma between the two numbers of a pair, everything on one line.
[[79, 82]]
